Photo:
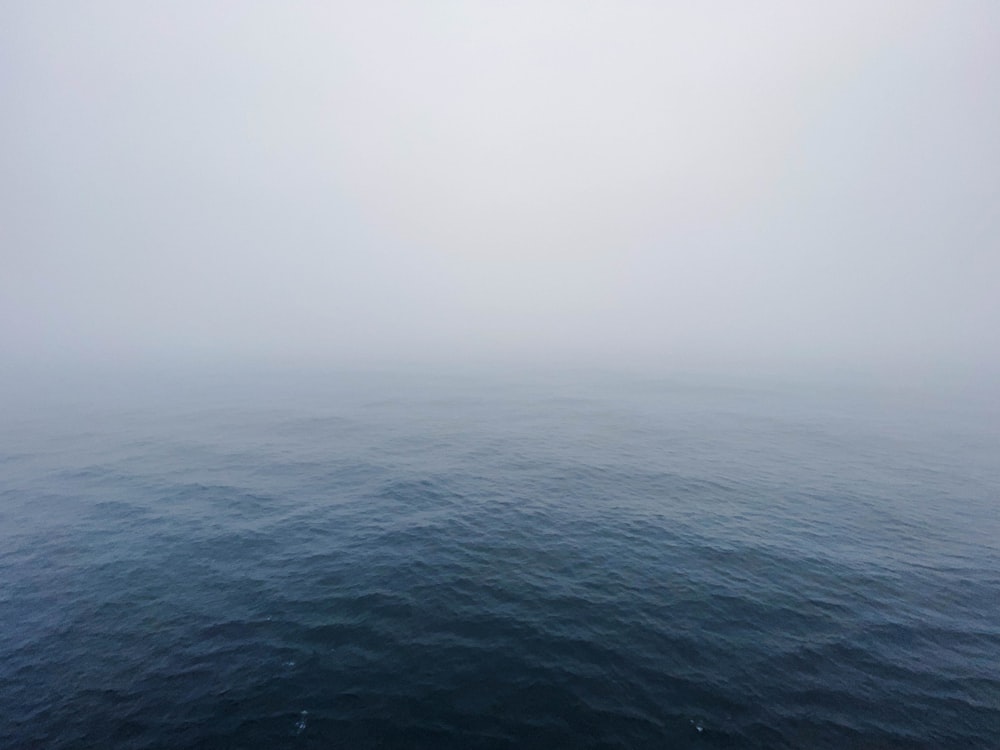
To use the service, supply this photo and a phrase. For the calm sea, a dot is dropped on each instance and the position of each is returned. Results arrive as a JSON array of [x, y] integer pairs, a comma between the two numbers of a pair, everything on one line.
[[351, 561]]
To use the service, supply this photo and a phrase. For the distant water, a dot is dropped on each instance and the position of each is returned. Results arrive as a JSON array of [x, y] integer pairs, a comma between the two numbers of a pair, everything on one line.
[[455, 563]]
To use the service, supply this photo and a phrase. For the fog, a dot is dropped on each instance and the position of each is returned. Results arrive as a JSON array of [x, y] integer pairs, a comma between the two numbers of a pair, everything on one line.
[[737, 186]]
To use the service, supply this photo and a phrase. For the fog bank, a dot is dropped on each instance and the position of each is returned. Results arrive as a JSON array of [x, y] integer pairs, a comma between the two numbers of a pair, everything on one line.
[[758, 187]]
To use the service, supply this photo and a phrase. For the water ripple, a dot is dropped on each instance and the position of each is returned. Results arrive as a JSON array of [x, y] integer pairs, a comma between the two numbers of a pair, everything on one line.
[[561, 572]]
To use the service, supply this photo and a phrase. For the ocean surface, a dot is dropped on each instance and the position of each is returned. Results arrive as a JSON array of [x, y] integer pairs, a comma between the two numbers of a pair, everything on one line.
[[411, 561]]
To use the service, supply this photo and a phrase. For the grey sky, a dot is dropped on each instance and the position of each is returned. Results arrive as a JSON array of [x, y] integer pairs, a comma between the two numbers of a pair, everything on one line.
[[733, 184]]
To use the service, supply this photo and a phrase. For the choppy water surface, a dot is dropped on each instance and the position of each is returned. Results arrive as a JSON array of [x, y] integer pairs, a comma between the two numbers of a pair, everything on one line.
[[393, 562]]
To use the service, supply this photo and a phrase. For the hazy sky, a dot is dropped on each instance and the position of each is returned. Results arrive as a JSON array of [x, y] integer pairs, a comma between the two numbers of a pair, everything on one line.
[[671, 183]]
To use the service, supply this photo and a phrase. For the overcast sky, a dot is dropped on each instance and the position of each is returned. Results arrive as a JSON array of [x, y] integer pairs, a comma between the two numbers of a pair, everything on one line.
[[668, 183]]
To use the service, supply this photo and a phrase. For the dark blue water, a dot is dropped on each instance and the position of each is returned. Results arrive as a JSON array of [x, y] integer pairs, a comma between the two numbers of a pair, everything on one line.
[[468, 563]]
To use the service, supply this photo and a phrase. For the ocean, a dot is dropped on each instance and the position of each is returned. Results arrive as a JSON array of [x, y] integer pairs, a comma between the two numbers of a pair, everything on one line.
[[351, 560]]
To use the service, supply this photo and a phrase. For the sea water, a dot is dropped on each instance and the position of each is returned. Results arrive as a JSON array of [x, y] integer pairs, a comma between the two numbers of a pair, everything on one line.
[[351, 561]]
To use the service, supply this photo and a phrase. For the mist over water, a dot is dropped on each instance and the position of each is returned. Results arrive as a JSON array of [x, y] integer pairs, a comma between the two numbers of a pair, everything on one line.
[[744, 187], [480, 375]]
